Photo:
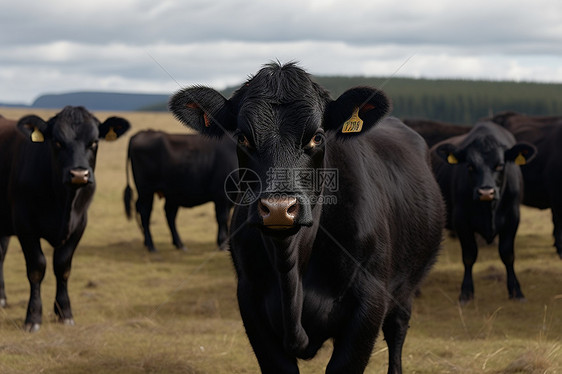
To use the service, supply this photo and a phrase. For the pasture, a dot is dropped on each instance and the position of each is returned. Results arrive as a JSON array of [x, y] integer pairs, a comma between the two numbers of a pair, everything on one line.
[[175, 312]]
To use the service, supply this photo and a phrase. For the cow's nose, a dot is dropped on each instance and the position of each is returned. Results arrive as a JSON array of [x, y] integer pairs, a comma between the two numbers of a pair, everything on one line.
[[278, 213], [486, 194], [79, 176]]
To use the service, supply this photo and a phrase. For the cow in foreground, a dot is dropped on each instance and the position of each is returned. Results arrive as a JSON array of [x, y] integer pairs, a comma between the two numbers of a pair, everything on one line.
[[542, 177], [46, 186], [310, 271], [481, 182], [187, 170]]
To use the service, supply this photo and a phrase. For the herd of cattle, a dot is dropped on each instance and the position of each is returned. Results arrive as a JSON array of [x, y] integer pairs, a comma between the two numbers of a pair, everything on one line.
[[307, 272]]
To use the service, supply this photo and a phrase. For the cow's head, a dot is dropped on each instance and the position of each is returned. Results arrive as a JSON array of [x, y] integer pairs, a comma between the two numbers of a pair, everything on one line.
[[282, 122], [73, 136], [485, 158]]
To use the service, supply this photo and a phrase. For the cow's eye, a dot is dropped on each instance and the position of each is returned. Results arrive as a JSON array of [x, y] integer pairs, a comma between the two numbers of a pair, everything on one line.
[[93, 145], [58, 145], [500, 167], [317, 139], [243, 141], [470, 167]]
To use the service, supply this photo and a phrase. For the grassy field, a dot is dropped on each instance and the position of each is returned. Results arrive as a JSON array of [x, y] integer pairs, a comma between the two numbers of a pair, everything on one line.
[[176, 312]]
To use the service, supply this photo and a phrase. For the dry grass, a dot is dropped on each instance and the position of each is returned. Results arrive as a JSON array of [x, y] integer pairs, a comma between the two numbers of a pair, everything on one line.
[[177, 312]]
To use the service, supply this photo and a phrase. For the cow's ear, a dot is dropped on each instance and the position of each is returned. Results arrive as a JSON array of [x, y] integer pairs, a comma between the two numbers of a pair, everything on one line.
[[521, 153], [204, 110], [449, 153], [356, 111], [34, 128], [113, 127]]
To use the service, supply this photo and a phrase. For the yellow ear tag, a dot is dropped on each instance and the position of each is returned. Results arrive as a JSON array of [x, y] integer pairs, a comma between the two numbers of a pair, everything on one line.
[[451, 159], [37, 136], [520, 160], [111, 134], [353, 124]]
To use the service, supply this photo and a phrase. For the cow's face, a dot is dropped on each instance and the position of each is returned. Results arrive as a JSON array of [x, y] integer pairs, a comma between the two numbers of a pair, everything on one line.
[[282, 122], [73, 136], [485, 161]]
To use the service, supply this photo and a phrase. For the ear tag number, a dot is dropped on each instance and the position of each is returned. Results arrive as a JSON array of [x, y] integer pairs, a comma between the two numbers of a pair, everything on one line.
[[451, 159], [37, 136], [111, 135], [353, 124], [520, 160]]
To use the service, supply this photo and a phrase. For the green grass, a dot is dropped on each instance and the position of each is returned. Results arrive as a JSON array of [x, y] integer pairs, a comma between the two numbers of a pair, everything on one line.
[[176, 312]]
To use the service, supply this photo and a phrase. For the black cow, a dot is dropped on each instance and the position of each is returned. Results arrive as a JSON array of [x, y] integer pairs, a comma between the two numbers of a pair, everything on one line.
[[543, 177], [435, 131], [481, 182], [187, 170], [347, 222], [46, 186]]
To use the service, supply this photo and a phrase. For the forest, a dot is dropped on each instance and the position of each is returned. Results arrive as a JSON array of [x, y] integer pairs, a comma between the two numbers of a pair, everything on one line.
[[456, 101]]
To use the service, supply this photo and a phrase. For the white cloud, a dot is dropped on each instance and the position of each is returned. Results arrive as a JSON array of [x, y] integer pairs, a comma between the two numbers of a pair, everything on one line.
[[148, 46]]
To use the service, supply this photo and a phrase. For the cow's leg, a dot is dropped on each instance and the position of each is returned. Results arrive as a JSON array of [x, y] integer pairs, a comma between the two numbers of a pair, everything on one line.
[[3, 250], [395, 327], [35, 263], [267, 346], [507, 255], [171, 210], [557, 221], [62, 261], [354, 344], [144, 208], [222, 212], [469, 255]]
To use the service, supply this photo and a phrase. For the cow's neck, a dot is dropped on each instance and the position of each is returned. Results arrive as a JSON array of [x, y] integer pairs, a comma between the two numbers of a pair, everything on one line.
[[290, 257], [73, 204]]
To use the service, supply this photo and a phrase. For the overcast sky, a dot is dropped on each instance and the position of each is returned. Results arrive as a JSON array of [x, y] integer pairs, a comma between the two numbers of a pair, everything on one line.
[[159, 46]]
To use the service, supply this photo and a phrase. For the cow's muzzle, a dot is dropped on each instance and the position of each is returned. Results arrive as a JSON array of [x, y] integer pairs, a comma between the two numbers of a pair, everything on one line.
[[486, 194], [278, 213], [79, 176]]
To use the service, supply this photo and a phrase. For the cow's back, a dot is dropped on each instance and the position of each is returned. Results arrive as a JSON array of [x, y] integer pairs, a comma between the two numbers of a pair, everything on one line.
[[184, 167]]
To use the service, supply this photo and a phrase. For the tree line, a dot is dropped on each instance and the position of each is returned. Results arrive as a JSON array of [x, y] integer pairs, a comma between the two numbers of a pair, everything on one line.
[[448, 100], [457, 101]]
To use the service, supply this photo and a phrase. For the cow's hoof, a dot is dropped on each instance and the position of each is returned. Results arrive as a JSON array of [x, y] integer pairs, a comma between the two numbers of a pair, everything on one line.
[[32, 327], [519, 298], [67, 321], [3, 303], [465, 299], [183, 248]]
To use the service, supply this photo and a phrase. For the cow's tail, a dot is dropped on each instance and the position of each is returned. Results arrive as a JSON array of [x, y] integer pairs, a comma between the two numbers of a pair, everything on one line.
[[128, 193]]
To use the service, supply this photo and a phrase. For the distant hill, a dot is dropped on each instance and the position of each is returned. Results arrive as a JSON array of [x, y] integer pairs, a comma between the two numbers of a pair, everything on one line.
[[99, 100]]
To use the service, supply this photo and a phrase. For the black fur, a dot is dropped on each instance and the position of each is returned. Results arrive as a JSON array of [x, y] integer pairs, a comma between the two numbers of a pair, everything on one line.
[[186, 170], [345, 268], [485, 158], [39, 199], [543, 177]]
